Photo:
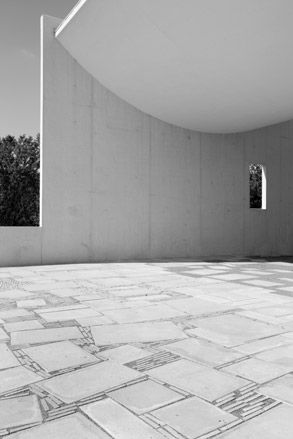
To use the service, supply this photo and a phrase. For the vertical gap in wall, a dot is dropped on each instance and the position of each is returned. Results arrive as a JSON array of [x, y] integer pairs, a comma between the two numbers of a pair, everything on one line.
[[280, 217], [41, 132], [200, 194], [150, 189], [244, 196], [91, 249]]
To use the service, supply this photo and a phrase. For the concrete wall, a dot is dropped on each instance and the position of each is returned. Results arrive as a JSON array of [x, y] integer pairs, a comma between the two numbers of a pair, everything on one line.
[[119, 184]]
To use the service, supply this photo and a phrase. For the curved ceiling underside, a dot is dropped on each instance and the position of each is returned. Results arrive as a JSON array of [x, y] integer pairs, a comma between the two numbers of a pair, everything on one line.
[[207, 65]]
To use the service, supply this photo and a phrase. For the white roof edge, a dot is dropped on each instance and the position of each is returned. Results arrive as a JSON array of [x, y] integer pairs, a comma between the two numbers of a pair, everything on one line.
[[69, 17]]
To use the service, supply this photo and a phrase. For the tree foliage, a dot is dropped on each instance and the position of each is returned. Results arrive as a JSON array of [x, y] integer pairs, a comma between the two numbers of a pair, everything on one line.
[[19, 181], [255, 182]]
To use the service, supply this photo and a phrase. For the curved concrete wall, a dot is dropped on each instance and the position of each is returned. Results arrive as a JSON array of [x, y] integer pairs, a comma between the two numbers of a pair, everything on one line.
[[121, 185]]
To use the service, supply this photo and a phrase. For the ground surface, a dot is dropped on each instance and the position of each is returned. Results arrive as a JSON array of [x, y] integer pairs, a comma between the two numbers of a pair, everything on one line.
[[147, 350]]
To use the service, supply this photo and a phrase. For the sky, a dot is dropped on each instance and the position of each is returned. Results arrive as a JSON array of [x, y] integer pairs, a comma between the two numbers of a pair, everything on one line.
[[20, 62]]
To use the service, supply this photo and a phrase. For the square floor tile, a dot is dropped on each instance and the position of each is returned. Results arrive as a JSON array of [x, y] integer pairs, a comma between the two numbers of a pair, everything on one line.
[[257, 370], [145, 396], [31, 303], [14, 294], [90, 380], [118, 421], [3, 335], [44, 335], [16, 377], [193, 417], [7, 359], [75, 426], [125, 354], [282, 355], [197, 306], [231, 330], [199, 380], [273, 424], [147, 313], [19, 411], [203, 352], [22, 326], [206, 272], [15, 312], [280, 389], [68, 315], [262, 283], [60, 355], [262, 345], [135, 332], [233, 277]]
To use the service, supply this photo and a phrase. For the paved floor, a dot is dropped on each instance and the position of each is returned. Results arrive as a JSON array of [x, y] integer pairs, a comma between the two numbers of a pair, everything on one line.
[[147, 350]]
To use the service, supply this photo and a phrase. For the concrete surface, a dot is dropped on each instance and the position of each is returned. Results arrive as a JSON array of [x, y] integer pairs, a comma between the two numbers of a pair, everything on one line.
[[220, 367], [120, 185]]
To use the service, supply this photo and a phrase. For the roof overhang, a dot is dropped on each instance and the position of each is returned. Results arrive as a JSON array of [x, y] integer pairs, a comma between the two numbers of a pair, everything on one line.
[[208, 65]]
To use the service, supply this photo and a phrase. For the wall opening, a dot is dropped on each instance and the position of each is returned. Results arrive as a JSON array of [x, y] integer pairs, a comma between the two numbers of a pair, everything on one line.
[[257, 186]]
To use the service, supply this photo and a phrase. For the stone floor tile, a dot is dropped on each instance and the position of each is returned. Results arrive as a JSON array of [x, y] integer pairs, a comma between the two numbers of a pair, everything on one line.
[[7, 359], [30, 303], [273, 424], [145, 396], [60, 355], [71, 307], [118, 421], [68, 315], [257, 370], [3, 335], [148, 313], [262, 345], [199, 380], [280, 389], [125, 354], [44, 335], [89, 381], [203, 352], [136, 332], [233, 277], [16, 312], [290, 289], [22, 325], [263, 283], [47, 286], [231, 330], [197, 307], [16, 377], [206, 272], [19, 411], [67, 292], [193, 417], [281, 355], [93, 321], [75, 426], [14, 294]]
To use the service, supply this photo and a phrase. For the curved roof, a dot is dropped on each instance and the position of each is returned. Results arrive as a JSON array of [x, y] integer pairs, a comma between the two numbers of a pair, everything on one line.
[[208, 65]]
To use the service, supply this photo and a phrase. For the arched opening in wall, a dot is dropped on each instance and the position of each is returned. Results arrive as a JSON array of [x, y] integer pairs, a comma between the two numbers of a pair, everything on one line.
[[257, 186]]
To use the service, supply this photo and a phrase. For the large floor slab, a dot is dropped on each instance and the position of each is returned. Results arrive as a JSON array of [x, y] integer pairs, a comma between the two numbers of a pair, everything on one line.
[[193, 417], [88, 381], [140, 332], [119, 422]]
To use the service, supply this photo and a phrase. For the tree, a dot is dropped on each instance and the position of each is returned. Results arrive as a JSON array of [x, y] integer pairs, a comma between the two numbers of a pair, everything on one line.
[[19, 181], [255, 182]]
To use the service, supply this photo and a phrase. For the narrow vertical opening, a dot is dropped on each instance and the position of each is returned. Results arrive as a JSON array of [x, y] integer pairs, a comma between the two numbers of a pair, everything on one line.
[[257, 186]]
